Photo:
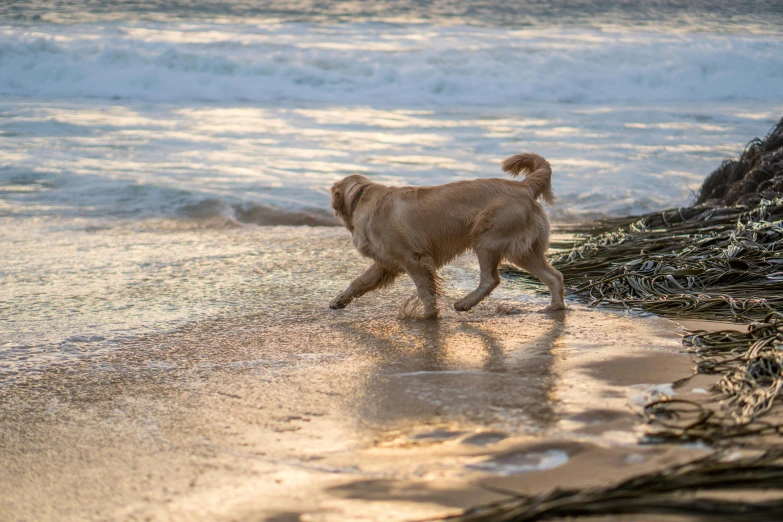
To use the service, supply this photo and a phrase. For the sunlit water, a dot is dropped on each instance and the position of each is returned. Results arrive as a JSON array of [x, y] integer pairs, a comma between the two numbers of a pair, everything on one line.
[[143, 142]]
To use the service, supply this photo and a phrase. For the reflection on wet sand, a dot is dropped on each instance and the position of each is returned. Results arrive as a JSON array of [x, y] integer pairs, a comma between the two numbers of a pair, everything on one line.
[[433, 372]]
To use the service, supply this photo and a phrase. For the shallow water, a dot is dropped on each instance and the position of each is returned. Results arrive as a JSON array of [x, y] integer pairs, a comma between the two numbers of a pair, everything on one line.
[[273, 165], [159, 276]]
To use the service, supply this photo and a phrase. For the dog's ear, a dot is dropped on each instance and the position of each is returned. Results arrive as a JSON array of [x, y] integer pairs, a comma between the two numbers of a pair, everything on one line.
[[338, 202]]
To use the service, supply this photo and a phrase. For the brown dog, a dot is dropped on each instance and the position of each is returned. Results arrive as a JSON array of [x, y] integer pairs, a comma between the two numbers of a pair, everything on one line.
[[419, 229]]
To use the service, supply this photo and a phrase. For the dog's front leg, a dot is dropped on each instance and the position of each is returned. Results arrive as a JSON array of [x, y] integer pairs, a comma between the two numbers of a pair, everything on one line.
[[375, 277]]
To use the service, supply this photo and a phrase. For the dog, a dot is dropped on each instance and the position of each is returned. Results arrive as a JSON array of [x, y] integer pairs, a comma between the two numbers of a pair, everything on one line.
[[417, 230]]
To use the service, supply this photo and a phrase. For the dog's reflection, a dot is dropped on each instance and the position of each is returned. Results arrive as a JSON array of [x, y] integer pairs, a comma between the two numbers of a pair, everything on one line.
[[479, 370]]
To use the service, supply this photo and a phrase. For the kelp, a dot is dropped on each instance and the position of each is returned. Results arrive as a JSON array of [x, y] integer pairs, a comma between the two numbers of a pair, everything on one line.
[[705, 262], [661, 493], [715, 271], [751, 368], [708, 263]]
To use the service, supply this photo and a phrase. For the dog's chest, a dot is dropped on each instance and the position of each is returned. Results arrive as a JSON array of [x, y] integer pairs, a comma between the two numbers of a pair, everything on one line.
[[363, 246]]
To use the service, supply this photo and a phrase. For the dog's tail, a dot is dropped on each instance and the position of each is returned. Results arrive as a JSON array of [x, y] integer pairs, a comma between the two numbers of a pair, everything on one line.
[[539, 173]]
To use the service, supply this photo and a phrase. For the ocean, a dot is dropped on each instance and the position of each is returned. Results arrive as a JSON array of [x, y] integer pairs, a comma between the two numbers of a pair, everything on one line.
[[146, 147]]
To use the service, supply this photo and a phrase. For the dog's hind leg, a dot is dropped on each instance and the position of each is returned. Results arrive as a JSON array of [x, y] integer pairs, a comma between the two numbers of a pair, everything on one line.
[[422, 271], [537, 265], [488, 263], [375, 277]]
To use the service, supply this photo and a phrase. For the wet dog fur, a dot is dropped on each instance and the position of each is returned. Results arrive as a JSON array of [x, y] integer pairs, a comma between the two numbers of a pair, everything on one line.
[[417, 230]]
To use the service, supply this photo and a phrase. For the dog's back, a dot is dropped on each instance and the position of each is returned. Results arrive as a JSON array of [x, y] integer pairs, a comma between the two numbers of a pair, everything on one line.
[[446, 220]]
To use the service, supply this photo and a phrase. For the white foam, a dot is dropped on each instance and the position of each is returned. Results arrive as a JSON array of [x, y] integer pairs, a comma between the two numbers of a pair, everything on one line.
[[649, 394], [437, 372], [517, 463], [405, 64]]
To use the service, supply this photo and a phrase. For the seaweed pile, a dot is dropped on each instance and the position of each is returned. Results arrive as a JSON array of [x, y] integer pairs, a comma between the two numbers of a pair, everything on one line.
[[709, 263], [756, 175], [701, 488], [751, 368]]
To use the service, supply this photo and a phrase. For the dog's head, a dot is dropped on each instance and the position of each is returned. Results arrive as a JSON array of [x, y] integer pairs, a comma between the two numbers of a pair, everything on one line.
[[344, 195]]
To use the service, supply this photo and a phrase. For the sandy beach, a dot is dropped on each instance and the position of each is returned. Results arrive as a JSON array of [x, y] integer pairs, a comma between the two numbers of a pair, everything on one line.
[[335, 415]]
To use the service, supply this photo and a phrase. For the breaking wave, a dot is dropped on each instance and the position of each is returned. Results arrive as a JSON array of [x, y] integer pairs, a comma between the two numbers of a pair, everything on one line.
[[256, 214], [383, 64]]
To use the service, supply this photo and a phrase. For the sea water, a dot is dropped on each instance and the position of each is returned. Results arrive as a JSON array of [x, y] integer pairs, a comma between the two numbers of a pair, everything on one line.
[[146, 146]]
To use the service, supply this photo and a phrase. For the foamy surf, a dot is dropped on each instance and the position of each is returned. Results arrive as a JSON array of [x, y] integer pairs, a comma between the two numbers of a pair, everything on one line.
[[523, 462], [216, 210], [387, 64]]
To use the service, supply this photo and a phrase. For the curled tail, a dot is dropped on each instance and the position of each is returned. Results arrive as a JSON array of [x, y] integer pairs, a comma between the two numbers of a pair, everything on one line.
[[539, 175]]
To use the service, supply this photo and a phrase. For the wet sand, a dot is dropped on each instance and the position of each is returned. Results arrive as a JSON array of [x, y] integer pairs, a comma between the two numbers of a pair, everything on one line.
[[327, 415]]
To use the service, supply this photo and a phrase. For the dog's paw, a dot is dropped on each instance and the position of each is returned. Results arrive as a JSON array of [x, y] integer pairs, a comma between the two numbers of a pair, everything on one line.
[[462, 306], [555, 307], [338, 304], [430, 314]]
